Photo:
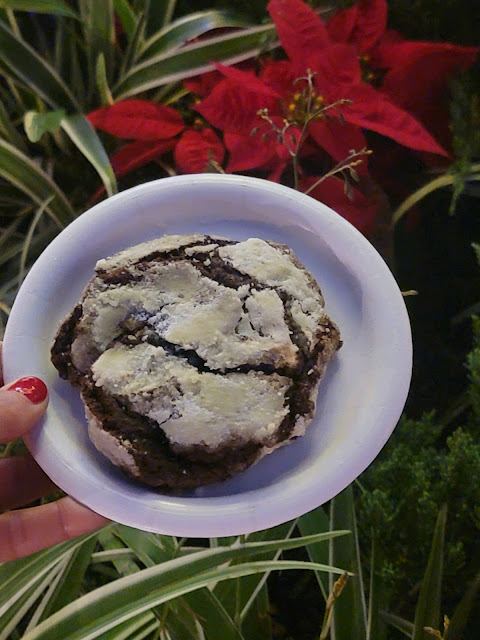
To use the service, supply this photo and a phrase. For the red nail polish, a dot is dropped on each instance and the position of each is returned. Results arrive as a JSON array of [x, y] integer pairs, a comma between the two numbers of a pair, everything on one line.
[[32, 388]]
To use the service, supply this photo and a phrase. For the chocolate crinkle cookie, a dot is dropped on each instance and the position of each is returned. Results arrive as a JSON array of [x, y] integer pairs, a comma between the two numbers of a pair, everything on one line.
[[195, 356]]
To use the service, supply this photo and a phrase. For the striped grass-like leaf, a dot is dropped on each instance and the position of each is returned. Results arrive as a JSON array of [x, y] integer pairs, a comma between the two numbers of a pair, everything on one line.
[[19, 576], [85, 138], [9, 230], [37, 243], [257, 624], [205, 605], [18, 169], [111, 556], [317, 521], [8, 131], [13, 617], [28, 238], [145, 623], [402, 625], [147, 545], [103, 609], [57, 7], [250, 587], [160, 13], [99, 611], [350, 616], [125, 565], [98, 29], [377, 595], [102, 82], [33, 71], [52, 586], [134, 45], [70, 58], [126, 15], [189, 27], [192, 59], [238, 597], [215, 621], [70, 583], [428, 611]]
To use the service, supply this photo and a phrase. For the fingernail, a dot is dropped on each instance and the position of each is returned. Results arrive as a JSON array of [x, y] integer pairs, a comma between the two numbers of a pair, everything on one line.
[[32, 388]]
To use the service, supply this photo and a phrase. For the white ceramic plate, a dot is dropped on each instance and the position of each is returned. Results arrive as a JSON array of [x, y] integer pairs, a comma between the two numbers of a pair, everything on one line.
[[360, 399]]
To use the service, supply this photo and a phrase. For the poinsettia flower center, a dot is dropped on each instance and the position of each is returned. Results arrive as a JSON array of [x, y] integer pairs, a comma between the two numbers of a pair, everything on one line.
[[302, 105], [198, 124], [370, 75]]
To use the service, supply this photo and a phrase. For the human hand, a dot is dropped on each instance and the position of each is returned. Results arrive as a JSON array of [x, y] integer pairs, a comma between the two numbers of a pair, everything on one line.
[[24, 531]]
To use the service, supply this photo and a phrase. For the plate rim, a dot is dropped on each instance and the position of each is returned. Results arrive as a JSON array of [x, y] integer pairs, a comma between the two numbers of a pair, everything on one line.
[[233, 507]]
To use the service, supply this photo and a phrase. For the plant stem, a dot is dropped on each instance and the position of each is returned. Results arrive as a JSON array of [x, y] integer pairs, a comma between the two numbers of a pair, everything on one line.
[[338, 587], [342, 166], [442, 181]]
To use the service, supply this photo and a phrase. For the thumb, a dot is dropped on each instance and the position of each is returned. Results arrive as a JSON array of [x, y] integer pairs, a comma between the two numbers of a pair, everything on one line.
[[22, 404]]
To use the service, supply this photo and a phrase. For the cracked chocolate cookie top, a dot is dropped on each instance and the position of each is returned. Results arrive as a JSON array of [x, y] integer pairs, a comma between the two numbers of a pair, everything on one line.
[[196, 356]]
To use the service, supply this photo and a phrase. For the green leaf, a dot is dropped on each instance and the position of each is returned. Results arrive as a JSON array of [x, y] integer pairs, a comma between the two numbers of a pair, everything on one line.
[[160, 13], [401, 624], [99, 611], [317, 521], [140, 625], [10, 615], [445, 180], [33, 71], [16, 613], [189, 27], [18, 576], [37, 245], [11, 229], [257, 624], [126, 16], [99, 32], [181, 623], [8, 131], [111, 556], [57, 7], [124, 565], [237, 598], [217, 623], [377, 594], [69, 59], [84, 136], [37, 123], [110, 605], [146, 546], [134, 45], [192, 59], [102, 82], [428, 611], [28, 238], [250, 586], [70, 584], [462, 611], [27, 176], [350, 617]]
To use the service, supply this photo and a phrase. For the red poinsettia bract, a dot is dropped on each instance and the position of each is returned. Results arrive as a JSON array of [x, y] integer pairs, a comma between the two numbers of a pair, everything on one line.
[[156, 129], [308, 41], [233, 104], [413, 75]]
